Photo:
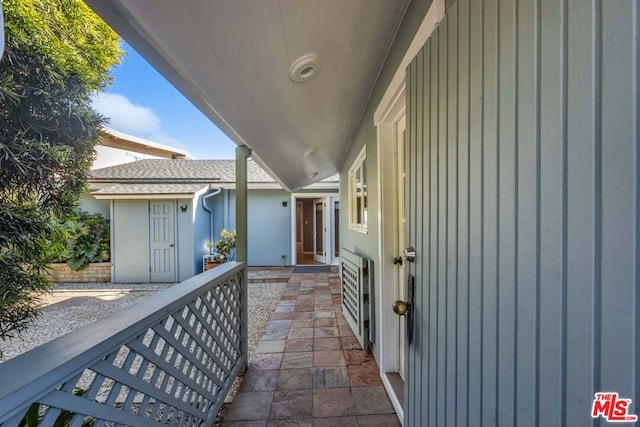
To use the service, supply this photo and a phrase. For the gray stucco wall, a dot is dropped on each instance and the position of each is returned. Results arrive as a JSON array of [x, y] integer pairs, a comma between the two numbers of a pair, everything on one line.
[[523, 207], [90, 204], [130, 241], [269, 227], [184, 240]]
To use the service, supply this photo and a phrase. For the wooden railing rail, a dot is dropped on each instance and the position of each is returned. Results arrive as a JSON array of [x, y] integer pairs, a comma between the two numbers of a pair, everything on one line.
[[170, 359]]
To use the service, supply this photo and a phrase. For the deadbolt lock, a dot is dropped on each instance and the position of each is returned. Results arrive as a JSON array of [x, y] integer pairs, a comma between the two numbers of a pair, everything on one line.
[[410, 254]]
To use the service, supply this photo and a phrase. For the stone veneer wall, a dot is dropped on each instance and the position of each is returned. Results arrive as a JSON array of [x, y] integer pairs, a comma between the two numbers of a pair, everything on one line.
[[99, 272]]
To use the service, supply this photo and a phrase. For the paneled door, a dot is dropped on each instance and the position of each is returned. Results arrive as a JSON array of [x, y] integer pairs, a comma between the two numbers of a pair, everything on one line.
[[162, 240], [319, 231]]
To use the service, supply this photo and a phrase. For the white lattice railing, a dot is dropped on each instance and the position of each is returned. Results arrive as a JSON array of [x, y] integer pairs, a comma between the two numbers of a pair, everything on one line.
[[170, 359]]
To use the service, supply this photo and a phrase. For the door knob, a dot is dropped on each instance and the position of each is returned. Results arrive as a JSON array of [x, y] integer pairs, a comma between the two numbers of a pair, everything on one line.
[[171, 245], [400, 308], [397, 260]]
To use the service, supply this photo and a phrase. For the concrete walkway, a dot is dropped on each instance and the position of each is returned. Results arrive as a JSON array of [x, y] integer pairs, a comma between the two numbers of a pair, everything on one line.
[[309, 369]]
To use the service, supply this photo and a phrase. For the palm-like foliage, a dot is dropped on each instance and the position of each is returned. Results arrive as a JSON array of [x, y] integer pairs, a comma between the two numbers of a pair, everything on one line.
[[57, 53]]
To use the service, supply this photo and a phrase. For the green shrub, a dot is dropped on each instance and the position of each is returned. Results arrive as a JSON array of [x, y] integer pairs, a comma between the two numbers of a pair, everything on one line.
[[81, 240], [87, 238]]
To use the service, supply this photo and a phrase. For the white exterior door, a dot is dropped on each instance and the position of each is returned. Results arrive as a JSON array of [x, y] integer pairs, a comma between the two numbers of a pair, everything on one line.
[[400, 243], [319, 231], [162, 240]]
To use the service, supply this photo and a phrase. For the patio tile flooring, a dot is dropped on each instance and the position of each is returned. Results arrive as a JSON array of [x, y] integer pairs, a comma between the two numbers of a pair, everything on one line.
[[309, 369]]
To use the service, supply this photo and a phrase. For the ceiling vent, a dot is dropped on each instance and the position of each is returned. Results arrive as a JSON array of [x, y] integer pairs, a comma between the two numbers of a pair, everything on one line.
[[304, 68]]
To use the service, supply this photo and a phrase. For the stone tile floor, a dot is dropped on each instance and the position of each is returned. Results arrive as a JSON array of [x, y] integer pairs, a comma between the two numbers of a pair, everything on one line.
[[269, 274], [309, 369]]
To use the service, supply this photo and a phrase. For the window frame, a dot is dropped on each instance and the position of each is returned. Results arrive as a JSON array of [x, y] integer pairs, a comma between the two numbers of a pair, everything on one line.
[[358, 202]]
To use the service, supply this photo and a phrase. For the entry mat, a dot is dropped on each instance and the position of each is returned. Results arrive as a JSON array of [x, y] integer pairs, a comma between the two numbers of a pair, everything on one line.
[[312, 269]]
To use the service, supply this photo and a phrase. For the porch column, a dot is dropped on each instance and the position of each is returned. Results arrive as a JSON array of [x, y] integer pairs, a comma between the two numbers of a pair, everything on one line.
[[242, 152]]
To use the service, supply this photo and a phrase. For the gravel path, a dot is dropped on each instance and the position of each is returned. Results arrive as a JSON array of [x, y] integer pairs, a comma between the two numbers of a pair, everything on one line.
[[70, 306]]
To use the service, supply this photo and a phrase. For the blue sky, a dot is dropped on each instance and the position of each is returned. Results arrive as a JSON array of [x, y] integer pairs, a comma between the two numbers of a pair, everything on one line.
[[142, 103]]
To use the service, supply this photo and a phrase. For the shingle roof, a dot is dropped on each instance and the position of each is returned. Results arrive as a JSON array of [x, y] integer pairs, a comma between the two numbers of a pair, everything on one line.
[[145, 189], [167, 170]]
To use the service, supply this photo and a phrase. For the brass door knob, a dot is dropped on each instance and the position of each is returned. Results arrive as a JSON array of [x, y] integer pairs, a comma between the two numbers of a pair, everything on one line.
[[400, 308]]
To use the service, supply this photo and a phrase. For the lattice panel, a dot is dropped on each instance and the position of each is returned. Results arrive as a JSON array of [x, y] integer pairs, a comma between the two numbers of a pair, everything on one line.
[[175, 372], [350, 293], [356, 304]]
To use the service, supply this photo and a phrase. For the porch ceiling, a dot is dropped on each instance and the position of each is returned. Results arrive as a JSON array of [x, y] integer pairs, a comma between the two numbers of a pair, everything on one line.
[[231, 59]]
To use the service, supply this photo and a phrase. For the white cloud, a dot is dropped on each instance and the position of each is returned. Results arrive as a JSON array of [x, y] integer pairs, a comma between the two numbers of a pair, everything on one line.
[[126, 116]]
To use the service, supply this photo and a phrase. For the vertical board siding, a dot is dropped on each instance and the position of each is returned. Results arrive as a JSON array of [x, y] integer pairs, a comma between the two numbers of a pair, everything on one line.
[[636, 235], [451, 284], [523, 205]]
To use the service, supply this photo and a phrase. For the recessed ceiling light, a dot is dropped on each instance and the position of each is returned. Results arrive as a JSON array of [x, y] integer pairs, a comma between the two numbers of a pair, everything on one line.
[[304, 68]]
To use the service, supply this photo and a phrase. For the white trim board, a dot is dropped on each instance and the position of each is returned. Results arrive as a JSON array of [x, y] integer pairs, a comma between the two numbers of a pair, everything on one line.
[[429, 23]]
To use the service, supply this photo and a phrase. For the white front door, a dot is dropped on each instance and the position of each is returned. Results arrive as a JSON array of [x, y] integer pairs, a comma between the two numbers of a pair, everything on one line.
[[400, 220], [319, 231], [162, 240]]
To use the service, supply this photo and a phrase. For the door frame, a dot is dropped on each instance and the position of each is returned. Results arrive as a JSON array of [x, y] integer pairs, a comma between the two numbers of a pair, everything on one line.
[[387, 250], [330, 239]]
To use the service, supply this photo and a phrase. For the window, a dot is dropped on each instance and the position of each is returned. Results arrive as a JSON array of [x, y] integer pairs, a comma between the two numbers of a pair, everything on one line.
[[357, 192]]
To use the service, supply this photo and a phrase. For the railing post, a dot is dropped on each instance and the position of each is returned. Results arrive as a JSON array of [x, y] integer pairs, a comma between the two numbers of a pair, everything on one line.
[[242, 152]]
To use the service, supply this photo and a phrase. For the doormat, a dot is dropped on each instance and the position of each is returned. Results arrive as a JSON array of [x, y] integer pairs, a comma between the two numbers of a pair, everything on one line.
[[312, 269]]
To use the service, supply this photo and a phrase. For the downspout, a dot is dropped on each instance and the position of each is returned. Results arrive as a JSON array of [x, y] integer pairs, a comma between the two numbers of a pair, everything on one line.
[[204, 206], [225, 210]]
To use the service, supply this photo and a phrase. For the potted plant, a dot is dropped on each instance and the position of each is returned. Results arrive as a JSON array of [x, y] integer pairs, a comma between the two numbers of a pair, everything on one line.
[[224, 248]]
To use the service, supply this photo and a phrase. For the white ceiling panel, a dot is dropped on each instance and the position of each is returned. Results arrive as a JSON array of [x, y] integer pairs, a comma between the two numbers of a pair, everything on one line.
[[231, 59]]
